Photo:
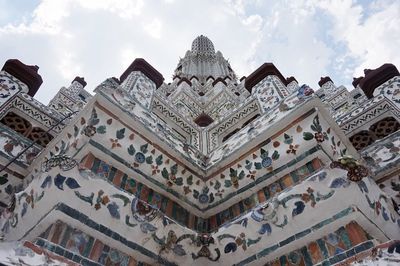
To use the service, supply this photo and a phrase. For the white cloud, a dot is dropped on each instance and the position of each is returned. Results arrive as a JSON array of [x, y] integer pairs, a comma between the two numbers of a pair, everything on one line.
[[127, 54], [290, 41], [69, 65], [372, 40], [154, 28], [254, 22], [46, 19], [123, 8]]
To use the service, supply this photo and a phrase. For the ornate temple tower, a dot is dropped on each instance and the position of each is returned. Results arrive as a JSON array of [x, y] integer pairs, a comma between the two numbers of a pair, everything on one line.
[[205, 170], [202, 62]]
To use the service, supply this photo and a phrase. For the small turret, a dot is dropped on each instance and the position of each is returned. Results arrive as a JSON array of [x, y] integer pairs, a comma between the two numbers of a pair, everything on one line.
[[72, 98], [141, 80], [374, 78], [324, 80], [292, 83], [25, 73], [80, 80], [260, 73], [139, 64]]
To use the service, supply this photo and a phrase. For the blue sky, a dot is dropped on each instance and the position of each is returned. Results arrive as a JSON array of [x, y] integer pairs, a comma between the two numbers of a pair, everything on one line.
[[98, 39], [16, 11]]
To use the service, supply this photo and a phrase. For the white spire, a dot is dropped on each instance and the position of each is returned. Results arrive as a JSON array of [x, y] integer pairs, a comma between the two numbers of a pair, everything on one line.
[[203, 46], [202, 61]]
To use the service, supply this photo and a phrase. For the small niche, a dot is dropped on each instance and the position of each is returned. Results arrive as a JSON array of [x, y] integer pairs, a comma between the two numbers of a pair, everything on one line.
[[203, 120]]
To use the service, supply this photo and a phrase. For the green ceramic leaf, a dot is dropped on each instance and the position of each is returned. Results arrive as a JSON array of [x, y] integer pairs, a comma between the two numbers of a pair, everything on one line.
[[189, 180], [211, 200], [165, 173], [159, 159], [233, 172], [160, 241], [93, 117], [275, 155], [195, 194], [129, 223], [88, 199], [131, 182], [40, 196], [76, 131], [223, 236], [217, 185], [3, 179], [316, 124], [287, 139], [124, 198], [149, 159], [253, 241], [249, 165], [144, 148], [101, 129], [93, 120], [174, 169], [316, 120], [258, 166], [63, 147], [120, 133], [314, 128], [308, 135], [179, 181], [234, 179], [241, 175], [228, 183], [131, 150], [264, 153]]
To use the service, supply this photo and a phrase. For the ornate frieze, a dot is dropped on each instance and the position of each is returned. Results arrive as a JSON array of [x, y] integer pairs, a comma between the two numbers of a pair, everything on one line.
[[40, 113], [139, 88], [9, 86], [253, 235]]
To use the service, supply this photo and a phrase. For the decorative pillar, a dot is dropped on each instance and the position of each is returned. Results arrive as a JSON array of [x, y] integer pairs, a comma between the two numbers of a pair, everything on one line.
[[17, 77], [140, 80]]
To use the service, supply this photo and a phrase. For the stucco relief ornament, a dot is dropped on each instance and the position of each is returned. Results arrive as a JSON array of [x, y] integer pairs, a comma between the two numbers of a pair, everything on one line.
[[7, 86], [4, 91], [266, 212], [65, 163], [304, 91], [355, 171], [142, 212], [204, 241], [12, 204], [124, 99], [203, 198], [89, 131], [171, 242]]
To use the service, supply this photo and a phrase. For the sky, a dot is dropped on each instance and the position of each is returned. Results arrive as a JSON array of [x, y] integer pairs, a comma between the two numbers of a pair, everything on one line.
[[98, 39]]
